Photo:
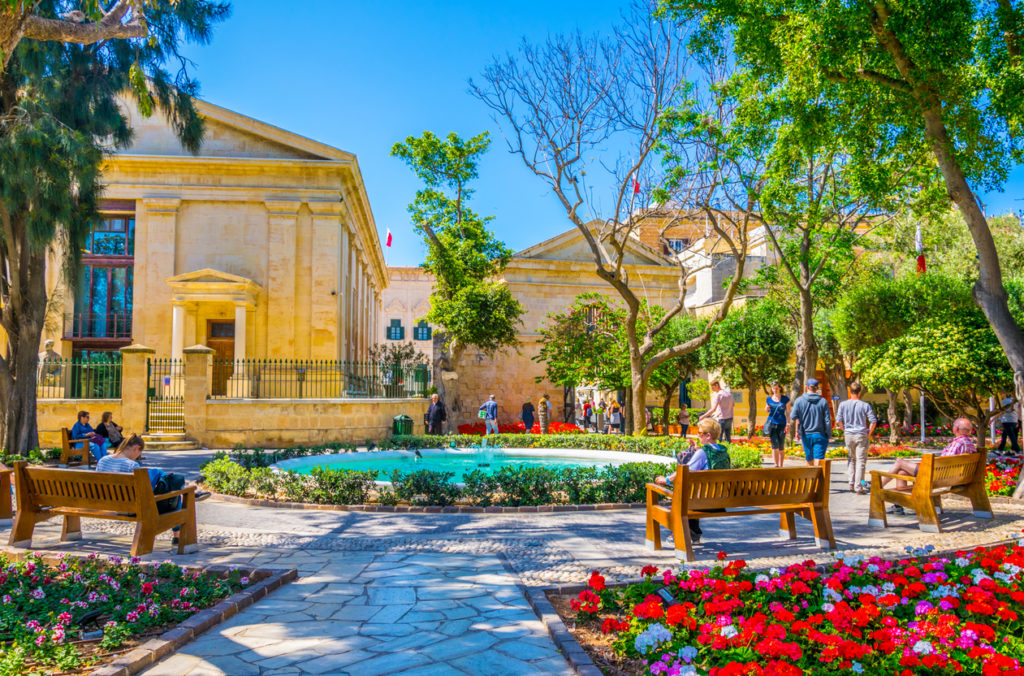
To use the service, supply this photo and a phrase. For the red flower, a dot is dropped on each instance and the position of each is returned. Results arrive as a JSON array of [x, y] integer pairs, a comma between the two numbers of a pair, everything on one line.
[[722, 556], [147, 587], [597, 582], [647, 571]]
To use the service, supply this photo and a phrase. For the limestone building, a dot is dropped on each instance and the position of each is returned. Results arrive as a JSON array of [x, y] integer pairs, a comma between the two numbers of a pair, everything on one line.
[[262, 245], [545, 278]]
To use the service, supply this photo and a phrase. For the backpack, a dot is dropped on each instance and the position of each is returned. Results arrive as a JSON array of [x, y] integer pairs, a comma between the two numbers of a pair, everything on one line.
[[165, 484], [718, 456]]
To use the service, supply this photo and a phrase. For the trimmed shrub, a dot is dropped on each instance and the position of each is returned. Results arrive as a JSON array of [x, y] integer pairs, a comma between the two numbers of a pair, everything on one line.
[[425, 487]]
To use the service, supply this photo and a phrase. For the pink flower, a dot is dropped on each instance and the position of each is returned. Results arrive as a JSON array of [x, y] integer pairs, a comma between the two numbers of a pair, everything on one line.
[[132, 616], [244, 581], [38, 593], [41, 639], [64, 617], [147, 587]]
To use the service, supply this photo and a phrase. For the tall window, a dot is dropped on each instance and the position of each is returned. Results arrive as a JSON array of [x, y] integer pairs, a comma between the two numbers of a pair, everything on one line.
[[421, 331], [395, 330], [103, 291]]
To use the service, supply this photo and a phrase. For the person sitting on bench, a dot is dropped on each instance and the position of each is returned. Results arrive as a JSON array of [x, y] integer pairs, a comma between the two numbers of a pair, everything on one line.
[[962, 444], [710, 455], [83, 430], [126, 460]]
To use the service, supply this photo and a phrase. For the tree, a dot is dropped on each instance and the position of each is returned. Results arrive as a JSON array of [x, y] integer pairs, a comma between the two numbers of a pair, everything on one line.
[[92, 23], [668, 376], [947, 77], [470, 304], [396, 362], [60, 114], [590, 116], [753, 346]]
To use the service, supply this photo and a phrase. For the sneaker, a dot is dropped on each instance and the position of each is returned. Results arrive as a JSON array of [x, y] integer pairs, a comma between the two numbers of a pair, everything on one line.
[[851, 488], [895, 509], [174, 540], [202, 495]]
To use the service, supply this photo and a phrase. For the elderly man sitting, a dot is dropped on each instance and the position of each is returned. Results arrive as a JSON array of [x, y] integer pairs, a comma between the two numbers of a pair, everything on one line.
[[962, 444]]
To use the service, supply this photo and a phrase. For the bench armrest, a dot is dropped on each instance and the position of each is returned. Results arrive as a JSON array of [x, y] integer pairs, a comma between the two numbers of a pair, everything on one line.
[[174, 494], [84, 443], [662, 490], [901, 477]]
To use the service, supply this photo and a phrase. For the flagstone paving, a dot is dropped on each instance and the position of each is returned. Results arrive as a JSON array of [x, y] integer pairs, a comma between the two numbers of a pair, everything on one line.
[[440, 593]]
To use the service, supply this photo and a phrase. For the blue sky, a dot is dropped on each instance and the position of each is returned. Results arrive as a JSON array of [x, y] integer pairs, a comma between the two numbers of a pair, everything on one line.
[[361, 76]]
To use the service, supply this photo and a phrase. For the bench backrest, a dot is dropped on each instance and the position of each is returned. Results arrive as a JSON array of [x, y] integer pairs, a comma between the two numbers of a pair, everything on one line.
[[760, 487], [105, 491], [950, 471], [65, 438]]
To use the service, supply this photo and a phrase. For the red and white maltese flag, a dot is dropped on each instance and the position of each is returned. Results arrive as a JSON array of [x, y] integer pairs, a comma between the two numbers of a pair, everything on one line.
[[388, 243]]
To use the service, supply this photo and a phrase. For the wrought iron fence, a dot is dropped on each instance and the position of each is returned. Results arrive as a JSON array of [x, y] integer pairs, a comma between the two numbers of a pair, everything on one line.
[[80, 378], [316, 379], [165, 396]]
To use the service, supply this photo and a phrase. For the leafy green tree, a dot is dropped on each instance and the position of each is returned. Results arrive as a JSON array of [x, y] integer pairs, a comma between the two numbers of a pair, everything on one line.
[[944, 77], [60, 113], [753, 346], [470, 304]]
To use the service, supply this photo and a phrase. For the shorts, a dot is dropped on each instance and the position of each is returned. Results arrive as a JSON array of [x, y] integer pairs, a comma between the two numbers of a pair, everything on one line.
[[814, 445]]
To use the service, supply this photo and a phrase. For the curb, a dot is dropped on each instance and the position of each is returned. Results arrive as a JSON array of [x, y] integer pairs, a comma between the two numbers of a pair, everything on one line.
[[432, 509]]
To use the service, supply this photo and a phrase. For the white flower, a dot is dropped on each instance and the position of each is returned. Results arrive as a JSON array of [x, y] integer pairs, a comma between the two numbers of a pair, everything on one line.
[[923, 648], [728, 631]]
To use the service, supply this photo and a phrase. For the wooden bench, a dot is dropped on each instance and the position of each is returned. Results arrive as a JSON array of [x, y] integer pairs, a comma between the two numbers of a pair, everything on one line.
[[45, 492], [5, 492], [69, 448], [788, 491], [936, 476]]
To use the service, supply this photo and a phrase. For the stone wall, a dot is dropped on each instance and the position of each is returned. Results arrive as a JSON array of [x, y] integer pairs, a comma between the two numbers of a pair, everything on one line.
[[274, 423], [53, 414]]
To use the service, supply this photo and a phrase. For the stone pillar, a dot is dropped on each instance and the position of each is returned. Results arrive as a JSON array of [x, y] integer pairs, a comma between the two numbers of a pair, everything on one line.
[[325, 265], [134, 387], [198, 380], [282, 219], [344, 301], [240, 331], [161, 214], [177, 331], [351, 290]]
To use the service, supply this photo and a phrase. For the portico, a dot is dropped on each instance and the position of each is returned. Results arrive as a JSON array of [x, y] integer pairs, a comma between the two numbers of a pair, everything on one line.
[[202, 302]]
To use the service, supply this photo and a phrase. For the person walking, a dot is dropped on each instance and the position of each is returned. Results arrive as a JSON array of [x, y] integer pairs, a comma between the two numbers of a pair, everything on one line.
[[721, 409], [490, 410], [588, 414], [1010, 423], [527, 416], [544, 413], [777, 424], [437, 415], [813, 422], [578, 413], [615, 418], [599, 417], [857, 420]]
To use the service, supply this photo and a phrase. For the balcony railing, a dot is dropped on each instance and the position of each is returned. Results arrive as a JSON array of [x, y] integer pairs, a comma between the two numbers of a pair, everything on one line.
[[89, 325], [316, 379]]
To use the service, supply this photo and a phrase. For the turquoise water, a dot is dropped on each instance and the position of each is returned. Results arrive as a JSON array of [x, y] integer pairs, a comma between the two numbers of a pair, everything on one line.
[[459, 463]]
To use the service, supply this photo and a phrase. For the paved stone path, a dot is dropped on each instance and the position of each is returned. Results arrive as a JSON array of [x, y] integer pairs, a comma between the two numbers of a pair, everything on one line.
[[439, 593]]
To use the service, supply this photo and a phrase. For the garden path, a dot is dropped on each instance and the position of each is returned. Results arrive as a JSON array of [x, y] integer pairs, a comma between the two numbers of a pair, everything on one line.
[[440, 593]]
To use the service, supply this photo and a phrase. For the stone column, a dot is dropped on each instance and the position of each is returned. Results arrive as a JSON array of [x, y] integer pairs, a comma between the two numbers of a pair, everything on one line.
[[198, 381], [282, 219], [157, 265], [325, 266], [134, 387], [351, 291], [240, 331], [177, 331], [344, 301]]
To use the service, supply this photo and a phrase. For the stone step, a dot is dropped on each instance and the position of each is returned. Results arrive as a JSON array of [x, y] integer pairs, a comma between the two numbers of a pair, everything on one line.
[[168, 441]]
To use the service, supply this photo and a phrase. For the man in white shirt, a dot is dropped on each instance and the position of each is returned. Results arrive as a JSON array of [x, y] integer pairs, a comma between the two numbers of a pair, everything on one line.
[[721, 409], [1010, 423]]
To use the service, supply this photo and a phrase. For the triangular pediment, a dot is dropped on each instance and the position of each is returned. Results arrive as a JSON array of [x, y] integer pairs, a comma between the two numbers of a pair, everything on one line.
[[571, 246], [209, 276], [228, 134], [395, 306]]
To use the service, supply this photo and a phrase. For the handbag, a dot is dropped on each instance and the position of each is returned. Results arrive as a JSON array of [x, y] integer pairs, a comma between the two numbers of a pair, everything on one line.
[[481, 413], [113, 434]]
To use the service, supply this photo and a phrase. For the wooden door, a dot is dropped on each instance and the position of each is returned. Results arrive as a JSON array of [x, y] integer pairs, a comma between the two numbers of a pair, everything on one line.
[[220, 337]]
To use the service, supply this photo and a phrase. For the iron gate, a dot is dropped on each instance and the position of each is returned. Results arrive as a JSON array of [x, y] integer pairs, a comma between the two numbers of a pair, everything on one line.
[[165, 410]]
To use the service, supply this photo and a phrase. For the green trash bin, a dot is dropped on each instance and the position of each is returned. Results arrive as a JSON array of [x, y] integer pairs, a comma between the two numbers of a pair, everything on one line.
[[401, 424]]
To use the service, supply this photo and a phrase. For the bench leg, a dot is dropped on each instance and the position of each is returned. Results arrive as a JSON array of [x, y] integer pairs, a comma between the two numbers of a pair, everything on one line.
[[72, 529], [927, 519], [145, 537], [21, 533], [980, 503], [681, 535], [653, 535], [5, 496], [188, 540], [876, 508], [787, 525], [822, 529]]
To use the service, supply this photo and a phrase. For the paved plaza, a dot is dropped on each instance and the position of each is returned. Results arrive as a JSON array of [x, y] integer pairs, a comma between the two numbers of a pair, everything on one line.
[[443, 593]]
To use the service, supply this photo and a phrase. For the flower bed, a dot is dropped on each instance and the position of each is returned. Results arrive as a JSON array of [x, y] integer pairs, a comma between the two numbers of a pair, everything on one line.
[[555, 427], [920, 615], [1002, 475], [874, 451], [71, 614]]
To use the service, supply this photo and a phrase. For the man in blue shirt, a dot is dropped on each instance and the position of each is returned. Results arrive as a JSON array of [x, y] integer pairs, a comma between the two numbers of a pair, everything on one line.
[[490, 409], [813, 422]]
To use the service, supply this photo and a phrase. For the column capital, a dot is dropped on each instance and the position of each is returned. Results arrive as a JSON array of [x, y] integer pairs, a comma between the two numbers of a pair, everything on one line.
[[325, 208], [161, 205], [282, 207]]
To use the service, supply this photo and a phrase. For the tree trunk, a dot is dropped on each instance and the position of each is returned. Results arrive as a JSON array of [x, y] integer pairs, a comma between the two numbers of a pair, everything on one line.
[[806, 347], [629, 421], [12, 28], [666, 408], [636, 395], [836, 374], [908, 411], [752, 411], [446, 379], [894, 420]]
